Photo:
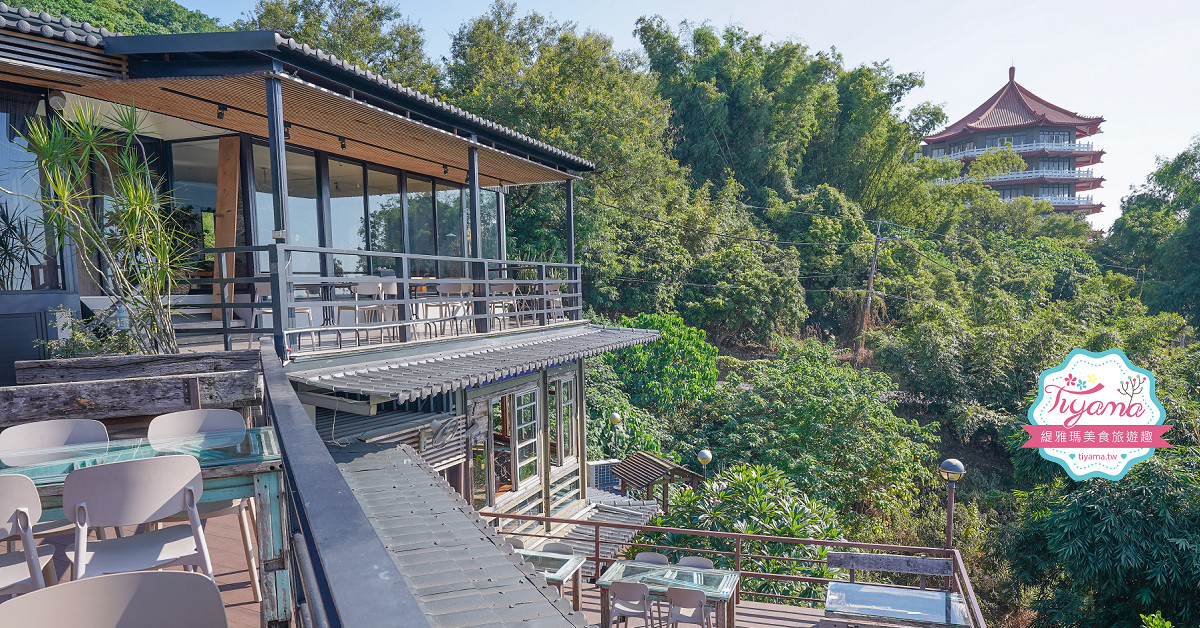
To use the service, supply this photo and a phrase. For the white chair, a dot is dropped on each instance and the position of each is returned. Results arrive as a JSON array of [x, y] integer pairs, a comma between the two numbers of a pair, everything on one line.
[[515, 542], [653, 558], [698, 562], [450, 308], [136, 492], [40, 441], [148, 599], [559, 548], [164, 434], [262, 293], [20, 507], [688, 606], [629, 599], [505, 308], [366, 302]]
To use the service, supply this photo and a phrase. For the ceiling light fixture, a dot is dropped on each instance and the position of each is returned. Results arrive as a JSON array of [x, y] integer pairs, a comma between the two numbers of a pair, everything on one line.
[[221, 109]]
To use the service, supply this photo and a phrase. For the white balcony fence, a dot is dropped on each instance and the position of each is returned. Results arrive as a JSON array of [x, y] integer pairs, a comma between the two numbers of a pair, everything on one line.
[[1058, 147]]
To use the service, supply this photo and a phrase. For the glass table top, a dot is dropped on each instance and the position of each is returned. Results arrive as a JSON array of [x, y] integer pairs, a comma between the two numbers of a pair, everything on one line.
[[556, 567], [715, 583], [918, 607], [48, 466]]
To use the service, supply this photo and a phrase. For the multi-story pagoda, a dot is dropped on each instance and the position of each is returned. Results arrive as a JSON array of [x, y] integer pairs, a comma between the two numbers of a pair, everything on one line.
[[1044, 134]]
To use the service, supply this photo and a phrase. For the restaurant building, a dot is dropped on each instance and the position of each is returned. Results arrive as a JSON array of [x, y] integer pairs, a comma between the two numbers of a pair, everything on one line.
[[1046, 136], [359, 223]]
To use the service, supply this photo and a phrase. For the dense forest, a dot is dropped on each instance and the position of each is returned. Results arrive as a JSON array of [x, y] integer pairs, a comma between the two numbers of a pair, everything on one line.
[[741, 189]]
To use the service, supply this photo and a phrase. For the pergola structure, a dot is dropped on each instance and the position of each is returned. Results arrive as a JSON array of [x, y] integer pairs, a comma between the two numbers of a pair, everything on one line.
[[646, 471]]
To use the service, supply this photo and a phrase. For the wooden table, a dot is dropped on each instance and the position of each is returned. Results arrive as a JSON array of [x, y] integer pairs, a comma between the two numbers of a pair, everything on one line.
[[720, 586], [235, 464], [558, 568], [867, 605]]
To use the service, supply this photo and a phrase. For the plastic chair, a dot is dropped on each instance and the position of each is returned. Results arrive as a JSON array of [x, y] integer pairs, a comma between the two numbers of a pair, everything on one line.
[[136, 492], [688, 606], [651, 557], [146, 599], [698, 562], [515, 542], [559, 548], [31, 569], [262, 294], [33, 443], [162, 434], [629, 599]]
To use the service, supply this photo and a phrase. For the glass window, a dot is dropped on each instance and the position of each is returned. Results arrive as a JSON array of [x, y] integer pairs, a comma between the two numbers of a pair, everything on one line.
[[1054, 137], [553, 422], [1010, 193], [479, 471], [387, 216], [347, 216], [421, 226], [1056, 190], [525, 415], [501, 445], [568, 419], [302, 206], [489, 219], [450, 232], [28, 259], [1058, 163]]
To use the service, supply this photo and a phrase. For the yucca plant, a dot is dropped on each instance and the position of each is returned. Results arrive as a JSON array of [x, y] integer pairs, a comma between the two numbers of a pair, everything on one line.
[[125, 238], [20, 240]]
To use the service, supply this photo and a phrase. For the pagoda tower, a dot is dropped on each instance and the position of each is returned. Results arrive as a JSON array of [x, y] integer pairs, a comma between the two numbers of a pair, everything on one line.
[[1046, 136]]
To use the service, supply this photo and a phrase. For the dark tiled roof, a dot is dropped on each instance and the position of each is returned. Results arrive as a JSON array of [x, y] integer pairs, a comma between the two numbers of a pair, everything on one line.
[[488, 360], [1014, 106], [289, 43], [460, 570], [25, 21], [609, 508]]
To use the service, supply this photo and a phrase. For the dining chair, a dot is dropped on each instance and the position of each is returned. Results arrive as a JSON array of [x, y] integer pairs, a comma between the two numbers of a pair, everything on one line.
[[505, 308], [131, 493], [366, 301], [558, 548], [687, 606], [144, 599], [629, 599], [698, 562], [651, 557], [164, 434], [31, 569], [262, 294], [515, 542], [38, 442]]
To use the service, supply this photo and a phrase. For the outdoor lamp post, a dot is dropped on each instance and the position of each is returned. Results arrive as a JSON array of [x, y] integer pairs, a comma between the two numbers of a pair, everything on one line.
[[951, 471], [704, 457], [614, 420]]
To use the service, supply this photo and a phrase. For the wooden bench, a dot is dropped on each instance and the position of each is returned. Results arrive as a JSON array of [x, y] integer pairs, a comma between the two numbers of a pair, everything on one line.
[[894, 563]]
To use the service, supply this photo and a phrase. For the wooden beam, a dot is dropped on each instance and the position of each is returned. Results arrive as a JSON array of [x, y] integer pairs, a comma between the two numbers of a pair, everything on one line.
[[137, 396], [124, 366], [225, 219]]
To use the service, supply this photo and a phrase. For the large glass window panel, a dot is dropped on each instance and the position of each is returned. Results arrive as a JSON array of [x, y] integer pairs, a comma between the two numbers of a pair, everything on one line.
[[489, 219], [386, 210], [28, 259], [527, 436], [501, 446], [479, 475], [347, 216], [450, 235], [553, 422], [194, 194], [567, 391], [302, 206], [422, 226]]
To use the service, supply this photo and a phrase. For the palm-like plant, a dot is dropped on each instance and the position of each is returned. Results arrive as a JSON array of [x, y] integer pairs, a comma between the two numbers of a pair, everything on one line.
[[20, 240], [125, 238]]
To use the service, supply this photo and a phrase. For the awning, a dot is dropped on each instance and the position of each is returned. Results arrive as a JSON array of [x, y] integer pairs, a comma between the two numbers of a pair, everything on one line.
[[435, 371]]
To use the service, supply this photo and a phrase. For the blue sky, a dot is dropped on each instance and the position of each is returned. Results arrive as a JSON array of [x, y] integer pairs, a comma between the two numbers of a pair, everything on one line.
[[1136, 64]]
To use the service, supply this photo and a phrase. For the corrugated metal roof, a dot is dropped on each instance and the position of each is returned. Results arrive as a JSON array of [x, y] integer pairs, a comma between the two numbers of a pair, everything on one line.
[[25, 21], [609, 508], [415, 376], [1014, 106], [460, 570]]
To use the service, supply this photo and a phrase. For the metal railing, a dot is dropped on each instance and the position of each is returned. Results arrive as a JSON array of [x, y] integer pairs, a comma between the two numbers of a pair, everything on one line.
[[1062, 200], [959, 582], [1040, 173], [389, 297], [1054, 147], [346, 577]]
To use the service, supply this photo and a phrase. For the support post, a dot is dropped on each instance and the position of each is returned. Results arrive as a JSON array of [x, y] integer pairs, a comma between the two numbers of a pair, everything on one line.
[[480, 304], [225, 216], [279, 196], [572, 271]]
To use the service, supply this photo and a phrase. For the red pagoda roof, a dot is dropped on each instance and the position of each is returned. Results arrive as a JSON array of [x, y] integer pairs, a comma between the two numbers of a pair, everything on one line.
[[1014, 106]]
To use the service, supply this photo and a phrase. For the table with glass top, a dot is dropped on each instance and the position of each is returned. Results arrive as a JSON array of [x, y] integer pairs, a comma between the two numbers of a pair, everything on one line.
[[720, 586], [558, 568], [235, 464], [847, 603]]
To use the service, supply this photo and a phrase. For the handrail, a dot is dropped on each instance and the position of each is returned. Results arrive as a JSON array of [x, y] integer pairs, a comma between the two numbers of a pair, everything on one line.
[[1073, 147], [357, 583], [959, 577]]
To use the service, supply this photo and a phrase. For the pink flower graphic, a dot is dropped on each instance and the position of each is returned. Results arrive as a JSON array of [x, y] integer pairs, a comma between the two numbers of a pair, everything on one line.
[[1071, 379]]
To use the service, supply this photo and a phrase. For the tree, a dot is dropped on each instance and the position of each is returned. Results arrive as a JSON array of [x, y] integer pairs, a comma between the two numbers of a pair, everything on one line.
[[673, 372], [369, 33], [132, 17], [752, 499]]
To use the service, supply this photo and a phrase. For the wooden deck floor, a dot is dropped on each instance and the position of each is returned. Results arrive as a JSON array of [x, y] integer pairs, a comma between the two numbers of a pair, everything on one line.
[[229, 565]]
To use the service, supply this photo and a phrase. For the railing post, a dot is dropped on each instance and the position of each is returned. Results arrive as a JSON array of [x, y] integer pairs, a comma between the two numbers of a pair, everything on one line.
[[480, 304], [277, 312], [737, 556], [225, 300], [541, 275], [406, 295], [599, 566]]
